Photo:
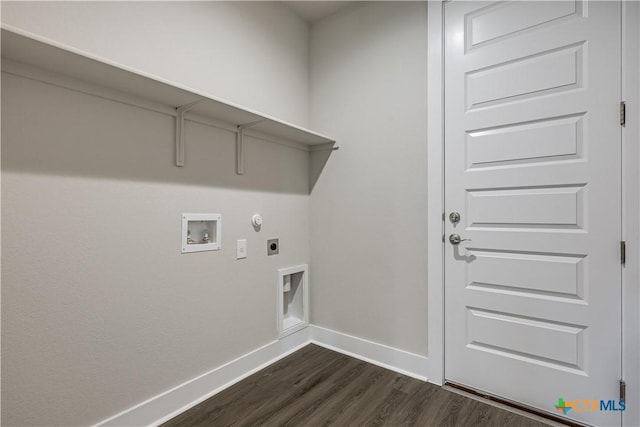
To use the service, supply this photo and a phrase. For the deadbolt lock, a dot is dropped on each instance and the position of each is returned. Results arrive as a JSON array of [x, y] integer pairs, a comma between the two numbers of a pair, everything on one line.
[[454, 217]]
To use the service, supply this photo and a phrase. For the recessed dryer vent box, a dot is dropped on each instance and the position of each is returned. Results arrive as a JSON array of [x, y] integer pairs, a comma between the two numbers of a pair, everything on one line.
[[201, 232], [293, 299]]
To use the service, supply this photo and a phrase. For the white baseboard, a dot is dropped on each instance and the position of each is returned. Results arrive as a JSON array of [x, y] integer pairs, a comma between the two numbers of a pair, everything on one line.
[[172, 402], [169, 404], [400, 361]]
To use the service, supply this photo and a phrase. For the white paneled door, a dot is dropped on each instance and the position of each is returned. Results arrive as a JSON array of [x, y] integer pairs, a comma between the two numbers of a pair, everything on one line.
[[533, 168]]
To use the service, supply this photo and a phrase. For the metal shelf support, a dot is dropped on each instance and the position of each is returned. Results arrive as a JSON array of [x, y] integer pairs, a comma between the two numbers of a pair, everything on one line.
[[180, 112], [240, 146]]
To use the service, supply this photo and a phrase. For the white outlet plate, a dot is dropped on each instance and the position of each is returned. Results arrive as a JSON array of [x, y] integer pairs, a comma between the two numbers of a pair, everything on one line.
[[241, 249]]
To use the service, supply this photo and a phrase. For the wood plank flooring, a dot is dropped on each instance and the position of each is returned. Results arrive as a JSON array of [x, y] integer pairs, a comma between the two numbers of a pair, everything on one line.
[[319, 387]]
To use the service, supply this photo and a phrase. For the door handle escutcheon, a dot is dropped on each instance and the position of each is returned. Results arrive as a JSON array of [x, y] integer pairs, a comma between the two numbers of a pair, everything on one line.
[[455, 239]]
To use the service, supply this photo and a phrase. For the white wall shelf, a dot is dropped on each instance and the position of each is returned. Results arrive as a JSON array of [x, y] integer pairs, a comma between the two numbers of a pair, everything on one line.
[[119, 82]]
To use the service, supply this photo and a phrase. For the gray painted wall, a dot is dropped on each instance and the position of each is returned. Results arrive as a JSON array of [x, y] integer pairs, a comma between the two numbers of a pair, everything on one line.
[[100, 310], [250, 53], [369, 206]]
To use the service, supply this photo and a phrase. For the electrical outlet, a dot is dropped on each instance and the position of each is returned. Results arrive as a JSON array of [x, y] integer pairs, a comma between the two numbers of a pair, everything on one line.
[[273, 247]]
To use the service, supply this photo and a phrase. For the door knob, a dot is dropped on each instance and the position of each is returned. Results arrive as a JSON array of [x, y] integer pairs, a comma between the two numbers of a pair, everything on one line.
[[455, 239]]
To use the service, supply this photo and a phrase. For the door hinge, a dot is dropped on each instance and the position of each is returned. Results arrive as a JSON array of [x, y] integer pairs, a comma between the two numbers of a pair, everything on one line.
[[623, 390], [623, 252], [623, 113]]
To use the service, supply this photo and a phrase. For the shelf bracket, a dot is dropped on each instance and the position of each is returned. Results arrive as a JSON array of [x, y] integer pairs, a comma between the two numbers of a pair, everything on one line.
[[180, 112], [240, 146], [323, 147]]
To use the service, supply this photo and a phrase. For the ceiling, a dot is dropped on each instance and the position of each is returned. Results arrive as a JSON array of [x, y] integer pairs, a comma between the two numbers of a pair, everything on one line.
[[312, 11]]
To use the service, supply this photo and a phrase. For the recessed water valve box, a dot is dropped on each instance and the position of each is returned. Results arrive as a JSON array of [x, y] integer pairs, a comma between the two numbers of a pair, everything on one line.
[[201, 232]]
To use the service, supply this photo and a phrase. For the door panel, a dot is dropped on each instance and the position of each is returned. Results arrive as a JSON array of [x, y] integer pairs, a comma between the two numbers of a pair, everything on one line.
[[553, 139], [536, 275], [553, 71], [502, 19], [519, 337], [532, 164]]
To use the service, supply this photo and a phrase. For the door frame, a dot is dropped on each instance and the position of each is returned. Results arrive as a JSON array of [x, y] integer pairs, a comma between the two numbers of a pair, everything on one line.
[[630, 201]]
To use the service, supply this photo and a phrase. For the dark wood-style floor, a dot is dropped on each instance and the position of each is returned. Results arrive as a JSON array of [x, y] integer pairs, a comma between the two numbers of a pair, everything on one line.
[[319, 387]]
